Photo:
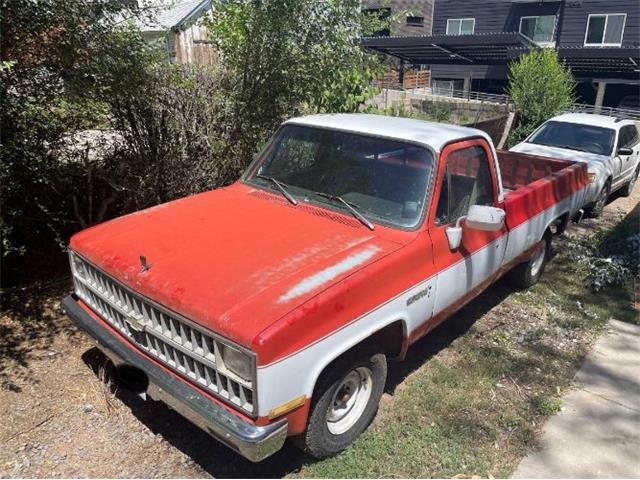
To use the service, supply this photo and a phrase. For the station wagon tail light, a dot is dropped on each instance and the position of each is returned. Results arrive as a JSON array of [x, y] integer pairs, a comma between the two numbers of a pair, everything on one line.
[[237, 362]]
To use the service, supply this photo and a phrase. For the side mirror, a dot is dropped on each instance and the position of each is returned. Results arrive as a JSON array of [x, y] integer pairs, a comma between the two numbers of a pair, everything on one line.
[[625, 151], [454, 236], [488, 219], [480, 217]]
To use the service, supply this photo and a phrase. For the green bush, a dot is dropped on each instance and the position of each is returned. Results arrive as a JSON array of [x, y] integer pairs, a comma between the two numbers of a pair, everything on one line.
[[541, 87], [157, 131], [288, 57]]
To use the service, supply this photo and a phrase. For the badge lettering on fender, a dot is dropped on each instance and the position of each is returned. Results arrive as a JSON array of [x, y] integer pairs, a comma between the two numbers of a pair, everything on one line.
[[425, 292]]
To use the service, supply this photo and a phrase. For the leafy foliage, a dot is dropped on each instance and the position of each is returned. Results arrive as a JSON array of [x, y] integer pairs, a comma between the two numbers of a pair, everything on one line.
[[50, 89], [540, 86], [288, 57], [96, 122]]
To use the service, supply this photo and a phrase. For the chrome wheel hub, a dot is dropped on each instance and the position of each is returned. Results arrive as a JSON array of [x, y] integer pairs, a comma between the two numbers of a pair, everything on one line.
[[350, 400]]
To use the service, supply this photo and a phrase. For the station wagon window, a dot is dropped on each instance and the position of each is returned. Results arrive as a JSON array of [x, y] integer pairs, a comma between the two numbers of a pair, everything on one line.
[[628, 137], [467, 181], [605, 29], [385, 180], [540, 29], [575, 136], [461, 26]]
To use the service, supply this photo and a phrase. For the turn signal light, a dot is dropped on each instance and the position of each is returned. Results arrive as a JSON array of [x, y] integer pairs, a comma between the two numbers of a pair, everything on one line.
[[287, 407]]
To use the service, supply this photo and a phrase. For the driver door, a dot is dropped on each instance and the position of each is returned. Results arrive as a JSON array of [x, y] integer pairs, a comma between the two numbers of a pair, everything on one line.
[[466, 176]]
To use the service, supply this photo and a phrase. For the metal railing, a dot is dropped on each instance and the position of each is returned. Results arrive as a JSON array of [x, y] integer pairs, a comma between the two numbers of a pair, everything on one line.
[[463, 95], [621, 113]]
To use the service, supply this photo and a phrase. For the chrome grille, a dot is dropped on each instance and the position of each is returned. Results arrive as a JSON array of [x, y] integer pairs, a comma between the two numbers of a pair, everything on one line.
[[181, 345]]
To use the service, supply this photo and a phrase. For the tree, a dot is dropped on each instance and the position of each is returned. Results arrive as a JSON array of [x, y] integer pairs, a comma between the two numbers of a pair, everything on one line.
[[51, 87], [290, 56], [540, 86]]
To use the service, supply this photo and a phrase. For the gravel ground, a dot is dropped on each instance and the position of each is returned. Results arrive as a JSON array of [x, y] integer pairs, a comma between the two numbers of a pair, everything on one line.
[[60, 416]]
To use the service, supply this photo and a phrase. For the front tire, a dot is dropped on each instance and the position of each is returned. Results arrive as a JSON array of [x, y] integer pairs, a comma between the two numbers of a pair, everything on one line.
[[345, 402], [598, 206], [628, 188], [528, 273]]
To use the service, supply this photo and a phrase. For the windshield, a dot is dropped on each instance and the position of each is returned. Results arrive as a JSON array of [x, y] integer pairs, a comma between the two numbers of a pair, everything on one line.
[[575, 136], [384, 180]]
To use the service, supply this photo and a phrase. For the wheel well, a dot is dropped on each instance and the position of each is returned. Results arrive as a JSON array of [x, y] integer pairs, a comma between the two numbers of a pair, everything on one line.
[[559, 225], [389, 339]]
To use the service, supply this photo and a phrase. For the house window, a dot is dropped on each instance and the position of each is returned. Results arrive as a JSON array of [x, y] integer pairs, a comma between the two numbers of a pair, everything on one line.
[[415, 21], [540, 29], [461, 26], [605, 30]]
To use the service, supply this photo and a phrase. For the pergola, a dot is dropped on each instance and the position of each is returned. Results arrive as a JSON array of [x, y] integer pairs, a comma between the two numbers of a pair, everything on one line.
[[599, 64]]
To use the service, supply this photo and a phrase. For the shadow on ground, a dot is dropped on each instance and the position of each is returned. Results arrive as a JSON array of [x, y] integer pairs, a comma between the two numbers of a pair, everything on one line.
[[30, 321]]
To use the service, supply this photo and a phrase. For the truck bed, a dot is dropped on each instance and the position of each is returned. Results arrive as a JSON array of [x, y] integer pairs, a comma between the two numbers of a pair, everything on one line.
[[533, 184]]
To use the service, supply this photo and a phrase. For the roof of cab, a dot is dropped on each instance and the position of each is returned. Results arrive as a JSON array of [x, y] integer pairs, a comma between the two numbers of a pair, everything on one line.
[[593, 119], [431, 134]]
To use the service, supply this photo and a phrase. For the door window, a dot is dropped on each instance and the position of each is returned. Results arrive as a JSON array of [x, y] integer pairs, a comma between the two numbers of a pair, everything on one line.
[[467, 181], [628, 137]]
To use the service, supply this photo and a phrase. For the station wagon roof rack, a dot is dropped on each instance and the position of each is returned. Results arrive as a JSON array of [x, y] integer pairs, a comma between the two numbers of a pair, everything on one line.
[[619, 114]]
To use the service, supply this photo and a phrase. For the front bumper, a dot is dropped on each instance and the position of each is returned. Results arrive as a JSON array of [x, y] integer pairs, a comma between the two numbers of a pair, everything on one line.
[[251, 441]]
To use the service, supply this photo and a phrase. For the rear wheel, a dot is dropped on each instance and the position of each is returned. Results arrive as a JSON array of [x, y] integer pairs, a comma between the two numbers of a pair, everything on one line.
[[628, 188], [345, 402], [528, 273], [598, 206]]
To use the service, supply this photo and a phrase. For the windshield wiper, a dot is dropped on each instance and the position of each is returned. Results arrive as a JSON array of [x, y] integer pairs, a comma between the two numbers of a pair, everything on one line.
[[280, 186], [351, 206]]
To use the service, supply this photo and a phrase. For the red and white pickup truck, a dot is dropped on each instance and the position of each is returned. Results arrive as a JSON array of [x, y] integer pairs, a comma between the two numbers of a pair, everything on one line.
[[268, 308]]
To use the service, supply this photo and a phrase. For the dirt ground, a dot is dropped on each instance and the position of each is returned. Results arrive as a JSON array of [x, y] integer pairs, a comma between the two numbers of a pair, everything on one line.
[[59, 418]]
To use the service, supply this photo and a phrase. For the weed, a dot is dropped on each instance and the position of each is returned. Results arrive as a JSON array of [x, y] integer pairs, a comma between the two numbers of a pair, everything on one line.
[[546, 405]]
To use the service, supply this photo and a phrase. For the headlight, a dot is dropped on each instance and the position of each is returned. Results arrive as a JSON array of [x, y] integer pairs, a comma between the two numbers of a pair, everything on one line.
[[237, 362], [77, 266]]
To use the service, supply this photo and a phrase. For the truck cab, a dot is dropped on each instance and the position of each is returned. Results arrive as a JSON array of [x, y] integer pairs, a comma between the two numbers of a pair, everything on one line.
[[269, 308]]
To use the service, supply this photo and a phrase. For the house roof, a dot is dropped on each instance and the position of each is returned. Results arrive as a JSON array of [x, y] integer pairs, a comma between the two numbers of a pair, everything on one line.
[[431, 134], [174, 17]]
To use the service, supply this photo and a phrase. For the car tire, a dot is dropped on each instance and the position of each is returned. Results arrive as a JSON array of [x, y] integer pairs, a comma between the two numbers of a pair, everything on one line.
[[596, 209], [628, 188], [528, 273], [344, 403]]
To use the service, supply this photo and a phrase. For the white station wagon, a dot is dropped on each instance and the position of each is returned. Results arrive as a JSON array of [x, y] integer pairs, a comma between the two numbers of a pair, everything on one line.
[[610, 146]]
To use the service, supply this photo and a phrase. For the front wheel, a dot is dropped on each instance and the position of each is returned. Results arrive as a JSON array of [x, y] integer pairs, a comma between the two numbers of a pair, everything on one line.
[[345, 402], [598, 206], [628, 188]]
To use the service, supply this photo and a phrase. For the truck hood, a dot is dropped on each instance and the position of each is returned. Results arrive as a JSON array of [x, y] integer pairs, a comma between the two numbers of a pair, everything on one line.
[[592, 159], [235, 259]]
